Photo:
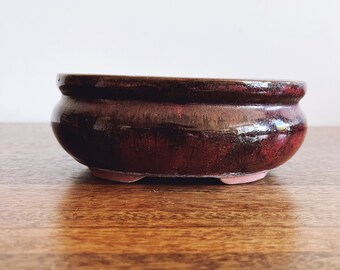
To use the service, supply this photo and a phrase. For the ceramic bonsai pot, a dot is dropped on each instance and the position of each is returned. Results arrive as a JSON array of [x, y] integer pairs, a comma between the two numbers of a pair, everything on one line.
[[125, 128]]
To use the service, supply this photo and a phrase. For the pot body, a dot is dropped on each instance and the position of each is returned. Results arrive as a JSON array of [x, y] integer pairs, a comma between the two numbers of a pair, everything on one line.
[[169, 139]]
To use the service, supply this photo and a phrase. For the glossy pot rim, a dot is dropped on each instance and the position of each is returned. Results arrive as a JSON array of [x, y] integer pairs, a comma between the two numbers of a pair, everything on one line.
[[181, 89]]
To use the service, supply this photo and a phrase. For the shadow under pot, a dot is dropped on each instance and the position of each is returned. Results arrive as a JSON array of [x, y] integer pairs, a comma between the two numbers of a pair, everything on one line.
[[125, 128]]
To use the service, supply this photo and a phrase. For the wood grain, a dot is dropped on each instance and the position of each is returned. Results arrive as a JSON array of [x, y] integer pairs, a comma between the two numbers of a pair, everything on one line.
[[55, 215]]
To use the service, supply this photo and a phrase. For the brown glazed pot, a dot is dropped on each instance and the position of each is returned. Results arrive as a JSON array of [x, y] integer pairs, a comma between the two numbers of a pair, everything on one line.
[[124, 128]]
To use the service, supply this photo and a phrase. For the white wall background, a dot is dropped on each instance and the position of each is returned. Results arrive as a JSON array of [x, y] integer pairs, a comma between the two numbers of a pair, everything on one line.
[[287, 39]]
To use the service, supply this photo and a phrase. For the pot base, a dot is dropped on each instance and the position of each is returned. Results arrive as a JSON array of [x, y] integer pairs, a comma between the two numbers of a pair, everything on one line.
[[243, 178], [115, 176], [231, 179]]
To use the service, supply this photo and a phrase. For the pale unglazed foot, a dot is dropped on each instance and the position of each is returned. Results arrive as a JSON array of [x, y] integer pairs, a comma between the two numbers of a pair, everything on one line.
[[231, 179], [243, 178], [115, 176]]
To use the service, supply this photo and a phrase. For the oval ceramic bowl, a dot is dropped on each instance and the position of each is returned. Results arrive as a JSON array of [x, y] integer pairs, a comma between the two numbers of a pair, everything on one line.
[[125, 128]]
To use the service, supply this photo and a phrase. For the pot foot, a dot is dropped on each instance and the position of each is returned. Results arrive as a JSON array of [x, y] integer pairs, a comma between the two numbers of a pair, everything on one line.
[[243, 178], [115, 176]]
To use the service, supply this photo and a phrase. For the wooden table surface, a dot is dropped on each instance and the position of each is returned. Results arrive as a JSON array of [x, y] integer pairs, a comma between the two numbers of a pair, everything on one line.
[[55, 215]]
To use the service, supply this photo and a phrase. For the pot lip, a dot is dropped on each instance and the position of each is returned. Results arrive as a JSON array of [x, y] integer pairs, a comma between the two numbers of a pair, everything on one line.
[[116, 86]]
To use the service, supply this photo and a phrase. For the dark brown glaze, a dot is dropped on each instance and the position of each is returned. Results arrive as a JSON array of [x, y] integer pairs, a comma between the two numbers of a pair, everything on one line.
[[171, 126], [181, 90]]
